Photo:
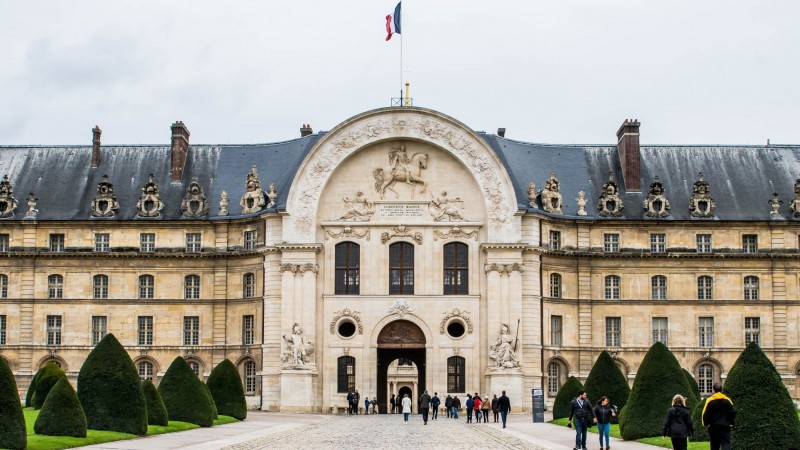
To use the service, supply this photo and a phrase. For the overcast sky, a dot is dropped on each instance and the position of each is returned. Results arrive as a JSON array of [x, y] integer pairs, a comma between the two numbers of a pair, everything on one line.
[[693, 72]]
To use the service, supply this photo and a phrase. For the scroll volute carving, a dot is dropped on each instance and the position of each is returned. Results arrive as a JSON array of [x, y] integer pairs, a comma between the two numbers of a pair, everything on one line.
[[401, 334]]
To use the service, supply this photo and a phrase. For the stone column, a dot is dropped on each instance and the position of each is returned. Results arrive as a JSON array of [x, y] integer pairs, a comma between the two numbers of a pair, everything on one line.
[[308, 303], [287, 296]]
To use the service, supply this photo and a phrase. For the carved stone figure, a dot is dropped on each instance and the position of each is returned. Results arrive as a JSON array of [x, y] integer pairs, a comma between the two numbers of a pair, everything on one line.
[[253, 200], [551, 197], [32, 211], [656, 204], [223, 204], [610, 203], [444, 208], [297, 349], [795, 204], [401, 307], [775, 206], [7, 201], [701, 204], [532, 194], [105, 203], [502, 352], [194, 203], [401, 168], [401, 231], [150, 204], [581, 201], [359, 209], [272, 194]]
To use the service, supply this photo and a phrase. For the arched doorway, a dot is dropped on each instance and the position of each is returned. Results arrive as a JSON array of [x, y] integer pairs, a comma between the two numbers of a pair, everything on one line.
[[402, 392], [400, 339]]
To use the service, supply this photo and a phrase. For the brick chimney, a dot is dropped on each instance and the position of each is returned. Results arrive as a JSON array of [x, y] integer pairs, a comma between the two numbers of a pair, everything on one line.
[[180, 149], [501, 132], [96, 145], [306, 130], [628, 148]]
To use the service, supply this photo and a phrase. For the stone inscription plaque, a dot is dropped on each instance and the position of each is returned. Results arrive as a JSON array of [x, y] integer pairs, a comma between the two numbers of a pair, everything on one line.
[[405, 211]]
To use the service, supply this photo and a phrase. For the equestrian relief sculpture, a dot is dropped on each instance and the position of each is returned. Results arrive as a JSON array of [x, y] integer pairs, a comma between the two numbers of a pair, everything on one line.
[[401, 169]]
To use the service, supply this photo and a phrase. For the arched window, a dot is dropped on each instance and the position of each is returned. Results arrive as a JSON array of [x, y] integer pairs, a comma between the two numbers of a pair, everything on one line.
[[705, 288], [55, 286], [191, 287], [146, 286], [456, 374], [751, 288], [348, 269], [346, 374], [249, 285], [456, 269], [145, 370], [705, 380], [195, 367], [555, 285], [250, 377], [612, 287], [100, 283], [401, 269], [3, 286], [658, 286], [553, 378]]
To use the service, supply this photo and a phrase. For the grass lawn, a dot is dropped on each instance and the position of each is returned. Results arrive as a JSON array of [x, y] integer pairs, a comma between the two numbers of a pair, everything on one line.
[[657, 441], [41, 442]]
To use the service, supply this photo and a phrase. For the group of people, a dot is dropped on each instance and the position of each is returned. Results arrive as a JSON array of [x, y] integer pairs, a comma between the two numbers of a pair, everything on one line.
[[353, 398]]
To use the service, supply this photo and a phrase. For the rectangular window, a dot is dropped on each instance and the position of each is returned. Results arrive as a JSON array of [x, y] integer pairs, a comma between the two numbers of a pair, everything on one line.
[[2, 330], [53, 330], [101, 242], [250, 238], [555, 240], [456, 269], [248, 330], [145, 330], [613, 331], [658, 287], [750, 243], [658, 242], [250, 377], [56, 242], [193, 244], [703, 243], [99, 327], [556, 330], [100, 288], [401, 268], [147, 242], [660, 330], [553, 379], [4, 242], [611, 242], [752, 330], [191, 330], [346, 374], [706, 331], [456, 370]]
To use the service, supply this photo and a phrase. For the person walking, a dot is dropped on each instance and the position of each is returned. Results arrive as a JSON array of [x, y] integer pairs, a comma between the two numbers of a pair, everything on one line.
[[469, 404], [374, 405], [485, 404], [406, 404], [391, 405], [580, 409], [435, 402], [603, 413], [504, 406], [350, 403], [476, 402], [424, 406], [719, 416], [448, 405], [356, 398], [678, 424], [456, 407], [495, 411]]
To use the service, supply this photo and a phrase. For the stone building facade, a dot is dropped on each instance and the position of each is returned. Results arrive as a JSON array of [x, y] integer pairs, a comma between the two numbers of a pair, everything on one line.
[[317, 265]]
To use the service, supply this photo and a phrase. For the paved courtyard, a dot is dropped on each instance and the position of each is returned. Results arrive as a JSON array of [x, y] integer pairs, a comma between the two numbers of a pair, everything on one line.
[[311, 431]]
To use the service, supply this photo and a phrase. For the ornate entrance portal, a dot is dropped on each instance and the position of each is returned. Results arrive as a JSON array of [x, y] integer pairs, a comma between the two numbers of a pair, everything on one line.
[[400, 339]]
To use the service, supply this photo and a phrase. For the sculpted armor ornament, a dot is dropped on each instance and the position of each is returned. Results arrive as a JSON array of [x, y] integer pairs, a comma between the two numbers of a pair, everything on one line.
[[194, 203], [656, 205], [795, 205], [253, 200], [610, 203], [701, 204], [551, 197], [150, 204], [7, 201], [105, 203]]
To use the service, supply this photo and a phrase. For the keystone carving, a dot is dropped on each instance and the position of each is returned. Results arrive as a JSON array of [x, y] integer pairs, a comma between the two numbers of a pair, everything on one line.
[[610, 203], [194, 203], [348, 232], [551, 197], [104, 203], [455, 233], [401, 231], [401, 307], [701, 204], [253, 200], [656, 204], [150, 204]]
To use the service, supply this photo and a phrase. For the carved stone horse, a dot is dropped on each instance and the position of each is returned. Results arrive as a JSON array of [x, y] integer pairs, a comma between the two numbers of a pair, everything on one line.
[[387, 177]]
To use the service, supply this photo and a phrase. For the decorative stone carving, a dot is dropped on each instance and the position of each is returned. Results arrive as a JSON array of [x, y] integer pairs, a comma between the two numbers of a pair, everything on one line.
[[359, 209], [347, 312], [610, 203], [297, 349], [401, 168], [310, 267], [795, 204], [348, 232], [503, 351], [515, 267], [401, 231], [32, 211], [223, 204], [656, 205], [445, 209], [401, 307], [194, 203], [550, 195], [272, 194], [289, 268], [701, 204], [581, 201], [401, 333], [463, 315], [455, 233], [532, 194], [150, 204], [105, 203], [504, 268], [775, 205], [7, 201], [253, 200]]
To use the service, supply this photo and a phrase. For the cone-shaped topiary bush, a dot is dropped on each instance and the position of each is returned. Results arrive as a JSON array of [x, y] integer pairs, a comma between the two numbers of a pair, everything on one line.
[[32, 389], [226, 388], [605, 378], [110, 390], [184, 395], [765, 414], [156, 411], [568, 391], [61, 414], [658, 379], [12, 422], [693, 384], [213, 404], [700, 432], [50, 374]]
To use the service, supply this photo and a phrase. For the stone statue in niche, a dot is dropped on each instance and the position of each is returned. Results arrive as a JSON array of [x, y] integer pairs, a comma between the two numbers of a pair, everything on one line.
[[532, 194], [502, 352], [194, 203], [272, 194], [150, 204], [32, 211], [701, 204], [795, 204], [610, 203], [775, 205], [359, 209], [401, 168], [7, 201], [581, 201], [253, 200], [105, 203], [444, 208], [656, 204], [223, 204], [551, 197], [296, 350]]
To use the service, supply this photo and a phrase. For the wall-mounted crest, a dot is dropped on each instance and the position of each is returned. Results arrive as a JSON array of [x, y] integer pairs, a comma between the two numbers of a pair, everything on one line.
[[253, 199], [194, 203], [150, 204], [610, 203], [701, 204], [656, 205], [104, 203]]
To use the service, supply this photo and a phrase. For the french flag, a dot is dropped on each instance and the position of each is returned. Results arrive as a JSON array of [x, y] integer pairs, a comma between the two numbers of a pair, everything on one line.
[[395, 22]]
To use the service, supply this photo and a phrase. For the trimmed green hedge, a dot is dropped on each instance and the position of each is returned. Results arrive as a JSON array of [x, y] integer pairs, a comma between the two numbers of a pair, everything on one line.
[[700, 432], [765, 414], [12, 422], [61, 414], [50, 374], [156, 411], [693, 384], [213, 403], [605, 378], [184, 395], [568, 391], [658, 379], [32, 389], [226, 389], [110, 390]]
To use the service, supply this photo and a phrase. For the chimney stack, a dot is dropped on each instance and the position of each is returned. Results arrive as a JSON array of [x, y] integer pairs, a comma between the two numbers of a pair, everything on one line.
[[180, 149], [96, 146], [306, 130], [501, 132], [629, 155]]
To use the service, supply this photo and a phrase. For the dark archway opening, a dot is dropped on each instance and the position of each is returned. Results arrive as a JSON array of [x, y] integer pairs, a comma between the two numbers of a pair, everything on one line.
[[400, 339]]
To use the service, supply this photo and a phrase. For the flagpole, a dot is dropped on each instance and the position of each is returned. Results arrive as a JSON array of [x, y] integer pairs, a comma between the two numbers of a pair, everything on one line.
[[401, 62]]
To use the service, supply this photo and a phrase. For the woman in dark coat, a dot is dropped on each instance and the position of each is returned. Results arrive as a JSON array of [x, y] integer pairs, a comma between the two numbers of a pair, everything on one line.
[[678, 423], [603, 413]]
